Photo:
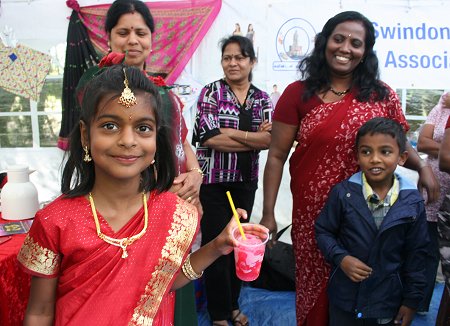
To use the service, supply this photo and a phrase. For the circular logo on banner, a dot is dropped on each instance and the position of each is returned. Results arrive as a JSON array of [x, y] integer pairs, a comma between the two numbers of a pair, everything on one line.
[[295, 39]]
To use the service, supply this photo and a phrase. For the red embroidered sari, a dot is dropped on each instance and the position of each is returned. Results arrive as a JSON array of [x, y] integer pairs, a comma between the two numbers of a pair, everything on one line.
[[98, 287], [323, 157]]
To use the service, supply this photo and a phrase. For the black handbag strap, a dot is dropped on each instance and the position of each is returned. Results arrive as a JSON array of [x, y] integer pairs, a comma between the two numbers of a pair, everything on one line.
[[280, 233]]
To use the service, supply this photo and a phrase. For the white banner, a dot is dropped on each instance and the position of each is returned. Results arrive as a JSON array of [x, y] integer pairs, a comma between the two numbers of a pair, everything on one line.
[[412, 39]]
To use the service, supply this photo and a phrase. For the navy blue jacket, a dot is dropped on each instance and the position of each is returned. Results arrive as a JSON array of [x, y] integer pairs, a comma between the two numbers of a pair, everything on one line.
[[395, 252]]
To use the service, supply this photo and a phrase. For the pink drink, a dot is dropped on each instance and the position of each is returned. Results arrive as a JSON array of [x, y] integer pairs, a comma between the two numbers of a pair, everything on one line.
[[249, 253]]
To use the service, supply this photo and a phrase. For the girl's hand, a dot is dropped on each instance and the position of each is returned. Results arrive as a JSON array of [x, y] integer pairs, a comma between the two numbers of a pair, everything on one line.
[[225, 242]]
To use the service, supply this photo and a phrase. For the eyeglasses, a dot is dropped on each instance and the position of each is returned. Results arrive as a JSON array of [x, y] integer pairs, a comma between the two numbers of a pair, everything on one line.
[[229, 58]]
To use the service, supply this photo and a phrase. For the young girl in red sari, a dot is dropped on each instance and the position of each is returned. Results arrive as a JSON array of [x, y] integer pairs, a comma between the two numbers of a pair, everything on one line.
[[113, 247]]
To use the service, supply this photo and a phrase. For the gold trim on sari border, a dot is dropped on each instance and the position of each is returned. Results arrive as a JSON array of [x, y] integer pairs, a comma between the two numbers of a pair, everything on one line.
[[37, 258], [178, 241]]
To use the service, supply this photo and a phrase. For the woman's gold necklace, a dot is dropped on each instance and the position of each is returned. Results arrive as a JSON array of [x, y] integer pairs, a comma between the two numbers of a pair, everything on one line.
[[339, 93], [124, 242]]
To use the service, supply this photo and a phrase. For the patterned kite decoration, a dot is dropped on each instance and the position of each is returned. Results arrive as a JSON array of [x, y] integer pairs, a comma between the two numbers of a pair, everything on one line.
[[23, 70]]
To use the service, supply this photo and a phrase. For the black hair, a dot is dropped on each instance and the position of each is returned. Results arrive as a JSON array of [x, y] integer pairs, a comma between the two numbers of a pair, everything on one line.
[[383, 126], [79, 176], [121, 7], [245, 45], [366, 76]]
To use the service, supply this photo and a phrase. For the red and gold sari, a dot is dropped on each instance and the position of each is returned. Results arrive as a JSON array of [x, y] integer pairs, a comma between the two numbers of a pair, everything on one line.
[[98, 287], [323, 157]]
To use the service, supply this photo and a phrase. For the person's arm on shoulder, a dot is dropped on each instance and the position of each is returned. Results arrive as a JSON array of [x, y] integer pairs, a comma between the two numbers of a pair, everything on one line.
[[444, 152], [426, 144], [427, 179], [282, 138], [41, 303], [192, 179], [187, 184]]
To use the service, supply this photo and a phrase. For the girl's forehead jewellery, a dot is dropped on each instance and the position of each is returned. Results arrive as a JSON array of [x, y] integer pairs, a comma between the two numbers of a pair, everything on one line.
[[127, 98]]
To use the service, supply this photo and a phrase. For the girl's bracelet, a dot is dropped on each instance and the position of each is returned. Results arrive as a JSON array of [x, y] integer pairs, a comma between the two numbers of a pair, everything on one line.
[[188, 271]]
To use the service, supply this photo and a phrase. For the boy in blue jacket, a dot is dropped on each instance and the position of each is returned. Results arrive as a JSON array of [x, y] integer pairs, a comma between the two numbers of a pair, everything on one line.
[[373, 232]]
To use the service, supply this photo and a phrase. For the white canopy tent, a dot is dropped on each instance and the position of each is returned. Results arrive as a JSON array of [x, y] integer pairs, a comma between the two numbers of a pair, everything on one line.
[[412, 45]]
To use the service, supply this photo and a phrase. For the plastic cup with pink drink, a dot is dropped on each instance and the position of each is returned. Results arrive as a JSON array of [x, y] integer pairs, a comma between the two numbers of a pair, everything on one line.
[[249, 253]]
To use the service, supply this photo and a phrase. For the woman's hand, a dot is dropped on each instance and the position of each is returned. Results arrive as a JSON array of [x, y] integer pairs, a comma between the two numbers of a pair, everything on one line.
[[265, 126], [404, 316], [187, 186], [428, 180], [270, 223]]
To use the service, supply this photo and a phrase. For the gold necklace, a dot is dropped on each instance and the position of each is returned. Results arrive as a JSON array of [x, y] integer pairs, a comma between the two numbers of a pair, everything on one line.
[[339, 93], [124, 242]]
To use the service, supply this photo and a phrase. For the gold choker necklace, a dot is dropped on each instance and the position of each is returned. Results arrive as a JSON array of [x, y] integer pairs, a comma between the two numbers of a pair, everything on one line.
[[124, 242], [339, 93]]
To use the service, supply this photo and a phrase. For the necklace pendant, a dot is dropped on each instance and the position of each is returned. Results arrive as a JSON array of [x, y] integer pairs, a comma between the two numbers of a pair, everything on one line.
[[339, 93], [124, 253]]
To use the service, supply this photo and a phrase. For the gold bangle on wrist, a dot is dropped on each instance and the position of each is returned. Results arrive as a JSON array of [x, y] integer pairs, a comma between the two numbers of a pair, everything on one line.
[[198, 170], [188, 271], [246, 135]]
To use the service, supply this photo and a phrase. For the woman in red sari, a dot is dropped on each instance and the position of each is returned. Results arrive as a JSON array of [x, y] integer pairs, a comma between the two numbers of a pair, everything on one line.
[[340, 91], [113, 247]]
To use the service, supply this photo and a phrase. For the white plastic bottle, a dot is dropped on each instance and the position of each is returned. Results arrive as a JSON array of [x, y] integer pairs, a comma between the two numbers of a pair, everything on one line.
[[19, 196]]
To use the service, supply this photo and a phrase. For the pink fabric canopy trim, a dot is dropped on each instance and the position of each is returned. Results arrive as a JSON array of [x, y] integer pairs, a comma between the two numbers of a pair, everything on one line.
[[179, 28]]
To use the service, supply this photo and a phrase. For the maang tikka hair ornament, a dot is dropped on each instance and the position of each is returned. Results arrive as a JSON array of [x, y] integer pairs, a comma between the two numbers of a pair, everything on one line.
[[127, 98]]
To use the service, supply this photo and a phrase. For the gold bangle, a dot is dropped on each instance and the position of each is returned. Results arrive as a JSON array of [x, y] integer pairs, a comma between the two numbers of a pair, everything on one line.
[[198, 170], [246, 135], [188, 271]]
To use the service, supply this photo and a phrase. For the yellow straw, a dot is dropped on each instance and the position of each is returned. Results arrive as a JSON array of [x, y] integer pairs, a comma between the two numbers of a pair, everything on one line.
[[236, 215]]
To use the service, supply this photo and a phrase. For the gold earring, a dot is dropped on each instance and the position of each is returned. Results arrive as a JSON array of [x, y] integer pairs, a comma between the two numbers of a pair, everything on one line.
[[87, 158]]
